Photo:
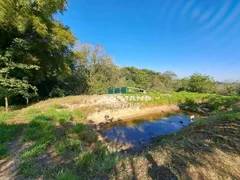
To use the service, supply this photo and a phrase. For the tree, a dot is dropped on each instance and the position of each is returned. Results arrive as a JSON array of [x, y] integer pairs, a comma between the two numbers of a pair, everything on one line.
[[201, 84], [10, 84], [50, 41], [95, 66]]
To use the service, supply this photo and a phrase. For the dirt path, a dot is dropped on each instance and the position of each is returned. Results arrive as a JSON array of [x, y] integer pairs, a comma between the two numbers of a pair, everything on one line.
[[9, 165]]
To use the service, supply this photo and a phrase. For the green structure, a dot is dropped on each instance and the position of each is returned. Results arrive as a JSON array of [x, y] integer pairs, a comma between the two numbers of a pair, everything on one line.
[[111, 91], [117, 90], [125, 90]]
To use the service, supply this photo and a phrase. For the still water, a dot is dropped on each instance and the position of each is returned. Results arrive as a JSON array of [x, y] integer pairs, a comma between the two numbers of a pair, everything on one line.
[[143, 130]]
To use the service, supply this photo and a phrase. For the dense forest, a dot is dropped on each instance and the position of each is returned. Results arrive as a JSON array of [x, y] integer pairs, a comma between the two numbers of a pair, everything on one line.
[[40, 58]]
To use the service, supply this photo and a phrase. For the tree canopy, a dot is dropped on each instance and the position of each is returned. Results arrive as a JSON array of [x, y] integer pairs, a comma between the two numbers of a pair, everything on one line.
[[201, 83], [39, 56]]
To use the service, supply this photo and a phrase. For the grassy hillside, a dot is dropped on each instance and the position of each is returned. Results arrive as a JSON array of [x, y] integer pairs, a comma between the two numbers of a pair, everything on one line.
[[53, 140]]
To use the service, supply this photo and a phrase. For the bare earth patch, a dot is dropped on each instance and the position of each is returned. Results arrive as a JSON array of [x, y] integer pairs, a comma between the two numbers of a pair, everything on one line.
[[9, 165]]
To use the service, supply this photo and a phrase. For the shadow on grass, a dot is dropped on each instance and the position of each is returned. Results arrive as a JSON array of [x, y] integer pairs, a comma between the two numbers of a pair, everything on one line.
[[50, 148], [10, 148], [159, 172], [203, 147]]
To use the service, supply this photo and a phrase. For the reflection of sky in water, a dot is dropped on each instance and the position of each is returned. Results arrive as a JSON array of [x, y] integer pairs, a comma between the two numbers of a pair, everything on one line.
[[146, 130]]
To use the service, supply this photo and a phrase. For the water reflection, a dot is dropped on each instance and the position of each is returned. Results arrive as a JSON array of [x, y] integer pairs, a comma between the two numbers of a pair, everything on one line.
[[137, 132]]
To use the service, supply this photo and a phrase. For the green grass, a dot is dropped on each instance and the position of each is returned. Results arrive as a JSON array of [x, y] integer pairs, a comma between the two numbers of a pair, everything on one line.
[[97, 163], [54, 131], [61, 116], [73, 143], [68, 146], [200, 123], [36, 150], [2, 109], [80, 129], [27, 168], [3, 150], [59, 106], [79, 115], [8, 133], [31, 113], [167, 98], [65, 175], [5, 116], [57, 115], [163, 98], [39, 128], [84, 133], [227, 116]]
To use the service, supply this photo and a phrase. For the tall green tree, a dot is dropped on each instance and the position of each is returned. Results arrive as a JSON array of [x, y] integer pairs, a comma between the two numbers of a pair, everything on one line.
[[11, 83], [49, 40], [201, 84], [96, 67]]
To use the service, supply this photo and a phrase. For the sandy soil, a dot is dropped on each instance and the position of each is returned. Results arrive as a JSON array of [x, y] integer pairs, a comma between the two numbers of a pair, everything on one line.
[[129, 113]]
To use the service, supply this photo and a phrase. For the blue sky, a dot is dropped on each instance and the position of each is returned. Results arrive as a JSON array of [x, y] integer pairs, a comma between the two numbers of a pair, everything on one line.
[[183, 36]]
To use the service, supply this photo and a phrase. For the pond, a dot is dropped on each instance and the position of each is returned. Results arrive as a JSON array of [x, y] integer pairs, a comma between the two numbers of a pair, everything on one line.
[[141, 131]]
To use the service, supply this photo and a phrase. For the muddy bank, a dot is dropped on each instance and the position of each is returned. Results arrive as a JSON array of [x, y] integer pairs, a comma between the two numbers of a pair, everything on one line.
[[111, 115]]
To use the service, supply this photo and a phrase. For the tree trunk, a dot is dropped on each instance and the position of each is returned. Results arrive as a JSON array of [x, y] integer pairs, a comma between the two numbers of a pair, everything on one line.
[[6, 104], [27, 101]]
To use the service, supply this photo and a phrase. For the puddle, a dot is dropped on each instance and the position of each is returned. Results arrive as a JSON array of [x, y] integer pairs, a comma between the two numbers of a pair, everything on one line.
[[140, 131]]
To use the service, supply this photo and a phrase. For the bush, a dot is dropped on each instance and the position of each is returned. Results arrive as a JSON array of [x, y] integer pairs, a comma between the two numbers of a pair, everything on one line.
[[57, 92]]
